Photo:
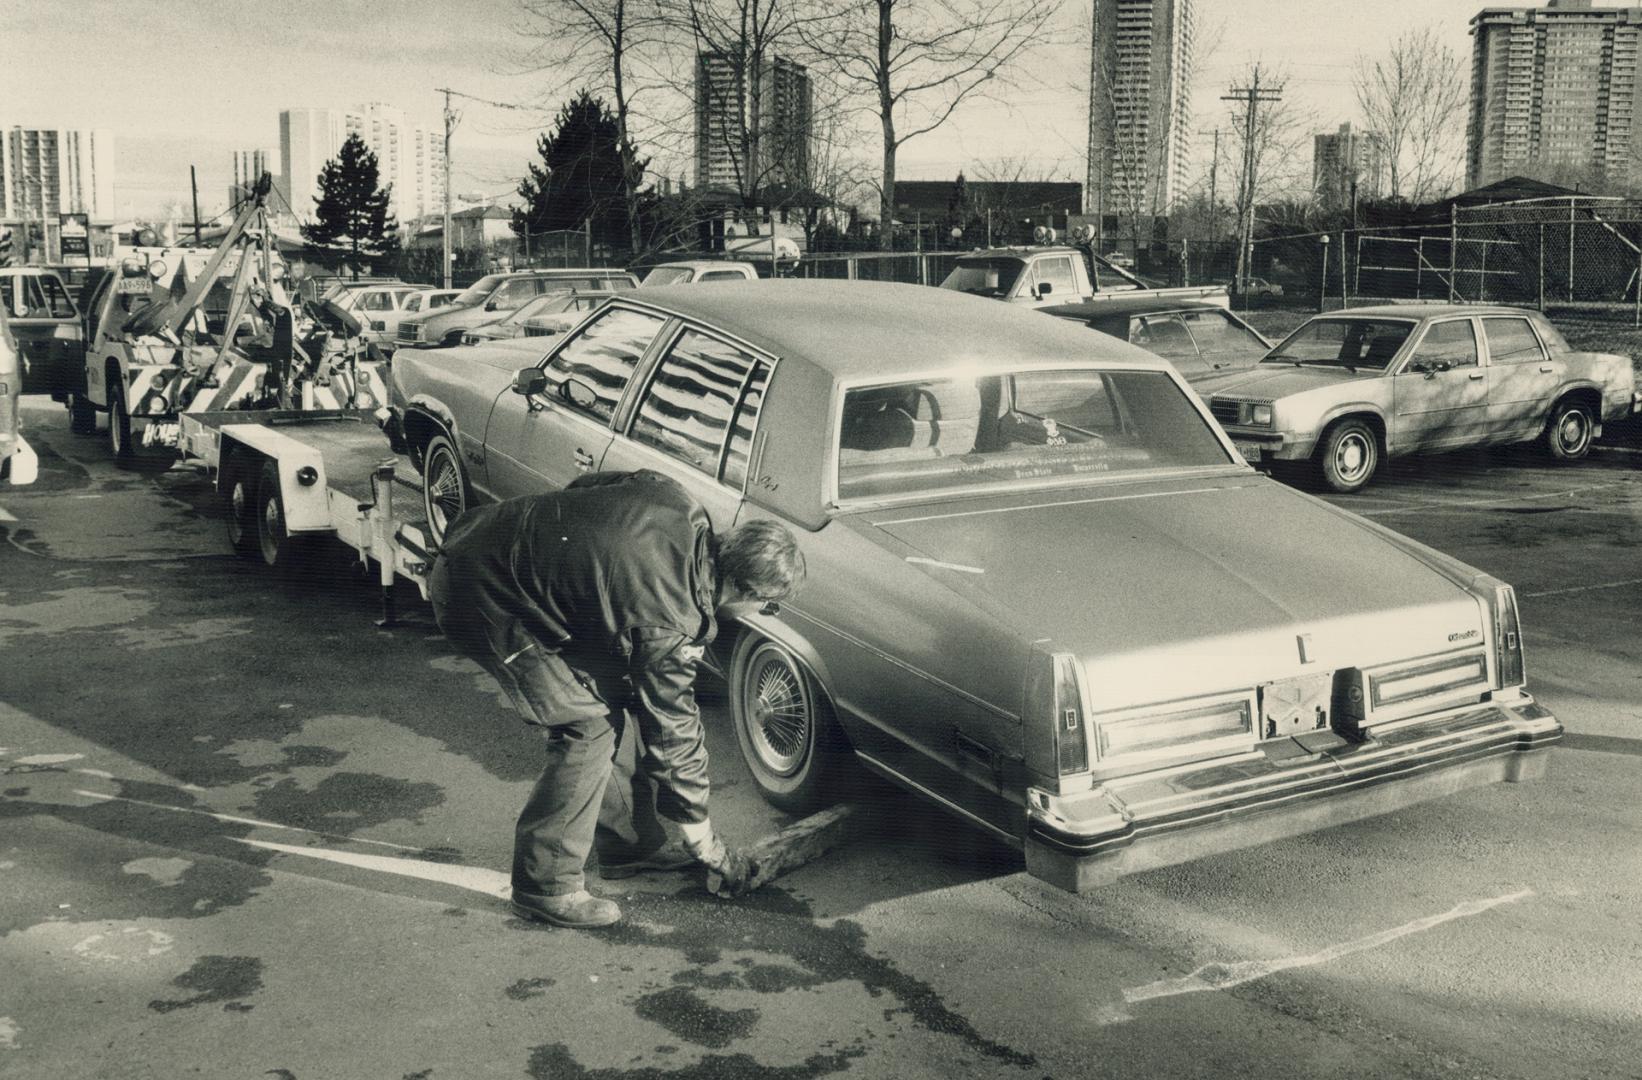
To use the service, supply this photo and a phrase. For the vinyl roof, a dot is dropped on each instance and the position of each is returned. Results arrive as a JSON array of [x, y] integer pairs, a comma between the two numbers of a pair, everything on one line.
[[858, 329]]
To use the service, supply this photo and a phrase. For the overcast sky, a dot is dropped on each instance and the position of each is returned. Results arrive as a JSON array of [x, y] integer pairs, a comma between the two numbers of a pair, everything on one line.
[[188, 81]]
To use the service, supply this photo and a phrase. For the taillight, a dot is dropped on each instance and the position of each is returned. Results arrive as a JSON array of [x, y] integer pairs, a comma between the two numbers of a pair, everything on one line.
[[1071, 737], [1140, 732], [1508, 668], [1054, 732]]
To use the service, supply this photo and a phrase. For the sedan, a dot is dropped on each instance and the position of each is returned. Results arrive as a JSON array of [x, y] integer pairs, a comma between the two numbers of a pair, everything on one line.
[[1348, 390], [1034, 595], [1198, 338], [544, 316]]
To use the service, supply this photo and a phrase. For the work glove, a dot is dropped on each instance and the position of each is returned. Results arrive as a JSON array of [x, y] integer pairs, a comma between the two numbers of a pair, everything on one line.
[[730, 872]]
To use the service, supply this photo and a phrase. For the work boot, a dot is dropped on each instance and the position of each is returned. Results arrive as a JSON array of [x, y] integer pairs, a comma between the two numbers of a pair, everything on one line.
[[668, 857], [580, 910]]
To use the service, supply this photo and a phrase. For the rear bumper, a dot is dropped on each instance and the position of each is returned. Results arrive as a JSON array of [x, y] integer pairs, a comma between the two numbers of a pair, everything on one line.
[[1125, 826]]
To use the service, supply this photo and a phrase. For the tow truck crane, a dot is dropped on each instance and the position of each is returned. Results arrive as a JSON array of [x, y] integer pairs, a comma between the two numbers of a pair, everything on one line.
[[159, 351]]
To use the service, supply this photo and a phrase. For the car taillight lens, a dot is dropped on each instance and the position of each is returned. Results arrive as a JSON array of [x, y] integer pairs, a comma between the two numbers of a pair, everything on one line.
[[1071, 736], [1165, 730], [1508, 665]]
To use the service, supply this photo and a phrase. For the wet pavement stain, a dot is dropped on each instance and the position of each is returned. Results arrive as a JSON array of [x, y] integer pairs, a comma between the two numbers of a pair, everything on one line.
[[525, 989], [553, 1062], [346, 801], [683, 1012], [773, 921], [215, 978]]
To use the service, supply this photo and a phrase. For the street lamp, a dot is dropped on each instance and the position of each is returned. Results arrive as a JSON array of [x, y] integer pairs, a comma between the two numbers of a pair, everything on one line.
[[1322, 279]]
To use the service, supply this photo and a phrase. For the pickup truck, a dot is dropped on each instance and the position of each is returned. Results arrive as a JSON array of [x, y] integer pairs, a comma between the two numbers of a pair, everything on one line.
[[1042, 275]]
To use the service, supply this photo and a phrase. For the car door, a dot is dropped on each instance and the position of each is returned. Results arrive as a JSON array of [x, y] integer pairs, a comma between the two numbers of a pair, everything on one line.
[[1055, 272], [1440, 390], [1522, 377], [695, 420], [544, 443]]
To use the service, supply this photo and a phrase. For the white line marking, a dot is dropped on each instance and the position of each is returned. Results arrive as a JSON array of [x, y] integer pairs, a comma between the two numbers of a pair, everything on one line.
[[242, 820], [6, 515], [488, 882], [945, 565], [48, 759], [1585, 588], [1226, 976]]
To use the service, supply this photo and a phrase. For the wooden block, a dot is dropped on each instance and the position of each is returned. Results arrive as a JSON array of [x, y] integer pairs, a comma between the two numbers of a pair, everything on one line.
[[797, 844]]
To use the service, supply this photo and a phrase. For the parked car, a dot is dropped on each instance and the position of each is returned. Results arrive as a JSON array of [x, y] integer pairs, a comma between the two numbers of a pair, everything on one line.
[[1262, 287], [495, 295], [1050, 275], [1044, 590], [1350, 389], [549, 314], [46, 326], [697, 271], [18, 463], [378, 306], [1198, 339], [427, 300]]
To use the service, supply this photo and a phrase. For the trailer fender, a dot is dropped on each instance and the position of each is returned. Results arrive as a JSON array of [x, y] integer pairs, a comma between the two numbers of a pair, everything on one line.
[[302, 483]]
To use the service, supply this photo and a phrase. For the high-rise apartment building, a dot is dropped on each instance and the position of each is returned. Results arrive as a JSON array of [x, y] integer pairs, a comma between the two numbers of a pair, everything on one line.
[[725, 112], [49, 171], [1553, 87], [249, 165], [1347, 165], [1140, 114], [408, 156]]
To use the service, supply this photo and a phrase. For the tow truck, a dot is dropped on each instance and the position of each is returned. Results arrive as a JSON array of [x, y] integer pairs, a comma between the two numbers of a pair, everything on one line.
[[183, 330]]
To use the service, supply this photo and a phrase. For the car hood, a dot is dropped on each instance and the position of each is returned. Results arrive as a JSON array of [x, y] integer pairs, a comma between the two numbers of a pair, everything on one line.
[[1171, 590], [1273, 381]]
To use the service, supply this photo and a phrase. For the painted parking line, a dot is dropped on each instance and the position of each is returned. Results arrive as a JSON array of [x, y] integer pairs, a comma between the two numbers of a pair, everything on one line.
[[234, 820], [1227, 976], [1459, 504], [1584, 588], [473, 878], [6, 515]]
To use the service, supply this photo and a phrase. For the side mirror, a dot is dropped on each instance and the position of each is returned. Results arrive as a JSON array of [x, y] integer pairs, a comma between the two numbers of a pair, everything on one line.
[[577, 393], [529, 381], [1044, 289], [490, 305], [770, 607]]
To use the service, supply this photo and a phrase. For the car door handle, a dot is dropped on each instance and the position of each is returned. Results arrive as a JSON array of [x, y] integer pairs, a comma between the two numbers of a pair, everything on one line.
[[1474, 375], [1547, 367], [584, 460]]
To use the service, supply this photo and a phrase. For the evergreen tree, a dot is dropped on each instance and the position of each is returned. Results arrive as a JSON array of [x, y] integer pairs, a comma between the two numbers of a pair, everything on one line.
[[579, 178], [351, 211]]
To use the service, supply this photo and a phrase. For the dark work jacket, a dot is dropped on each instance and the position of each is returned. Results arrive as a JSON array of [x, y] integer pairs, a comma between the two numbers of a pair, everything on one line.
[[614, 577]]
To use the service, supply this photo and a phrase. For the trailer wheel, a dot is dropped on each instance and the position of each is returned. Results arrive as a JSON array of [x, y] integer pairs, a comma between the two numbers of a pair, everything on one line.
[[119, 427], [82, 415], [279, 549], [788, 737], [239, 489], [446, 494]]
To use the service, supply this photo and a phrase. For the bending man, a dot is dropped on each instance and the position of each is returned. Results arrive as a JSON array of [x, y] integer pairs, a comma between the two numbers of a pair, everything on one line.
[[588, 605]]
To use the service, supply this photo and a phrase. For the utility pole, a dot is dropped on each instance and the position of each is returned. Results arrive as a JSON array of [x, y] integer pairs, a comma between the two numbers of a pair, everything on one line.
[[194, 183], [1214, 173], [451, 119], [1252, 96]]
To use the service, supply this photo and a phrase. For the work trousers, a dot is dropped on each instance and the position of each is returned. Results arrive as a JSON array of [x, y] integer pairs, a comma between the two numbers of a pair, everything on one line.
[[591, 794]]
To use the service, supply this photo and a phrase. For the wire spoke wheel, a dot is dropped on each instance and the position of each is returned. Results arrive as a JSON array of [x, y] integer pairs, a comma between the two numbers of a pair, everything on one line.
[[779, 709], [444, 489]]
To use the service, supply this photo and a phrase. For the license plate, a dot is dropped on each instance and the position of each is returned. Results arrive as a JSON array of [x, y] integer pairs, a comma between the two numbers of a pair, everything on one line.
[[1296, 706], [126, 286], [1250, 451]]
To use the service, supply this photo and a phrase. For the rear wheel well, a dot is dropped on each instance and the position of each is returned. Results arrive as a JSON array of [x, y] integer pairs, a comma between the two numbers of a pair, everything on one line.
[[1583, 395]]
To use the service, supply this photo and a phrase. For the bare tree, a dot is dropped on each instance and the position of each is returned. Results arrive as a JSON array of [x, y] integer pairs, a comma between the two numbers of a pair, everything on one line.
[[616, 48], [918, 61], [1264, 150], [1413, 101]]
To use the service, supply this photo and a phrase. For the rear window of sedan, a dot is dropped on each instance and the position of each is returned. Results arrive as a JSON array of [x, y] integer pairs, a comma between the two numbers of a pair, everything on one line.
[[1347, 343], [999, 432]]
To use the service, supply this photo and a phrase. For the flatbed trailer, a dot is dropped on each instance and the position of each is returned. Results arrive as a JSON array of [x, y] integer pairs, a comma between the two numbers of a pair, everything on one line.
[[291, 477]]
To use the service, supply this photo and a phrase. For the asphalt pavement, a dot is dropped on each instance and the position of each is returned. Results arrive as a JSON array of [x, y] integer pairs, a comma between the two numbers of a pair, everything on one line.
[[245, 833]]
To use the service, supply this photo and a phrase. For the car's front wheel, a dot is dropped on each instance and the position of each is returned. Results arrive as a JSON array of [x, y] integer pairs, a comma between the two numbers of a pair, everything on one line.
[[784, 725], [1570, 430], [446, 494], [1348, 456]]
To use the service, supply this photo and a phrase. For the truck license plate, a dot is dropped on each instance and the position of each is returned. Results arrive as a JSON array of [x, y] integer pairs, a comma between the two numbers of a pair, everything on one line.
[[126, 286], [1250, 451]]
